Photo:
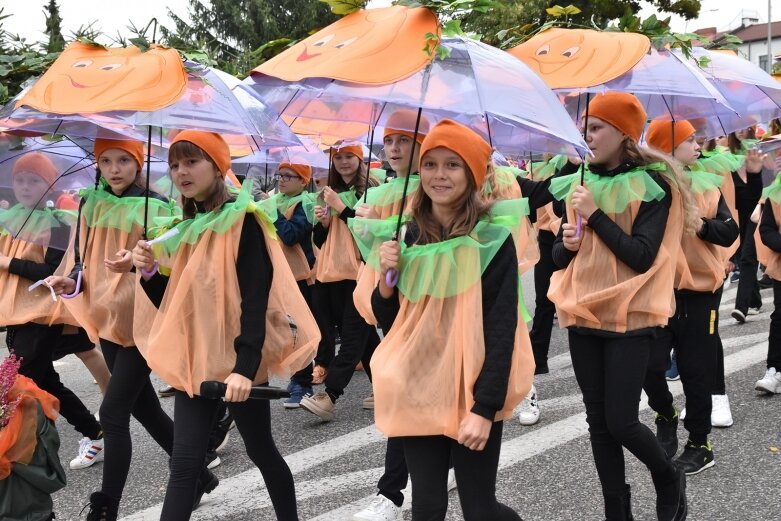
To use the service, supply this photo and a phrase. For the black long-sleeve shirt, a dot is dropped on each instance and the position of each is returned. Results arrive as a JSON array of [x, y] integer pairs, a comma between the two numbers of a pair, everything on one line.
[[253, 267], [132, 191], [36, 271], [638, 250], [296, 230], [721, 230], [500, 318], [768, 229], [747, 193]]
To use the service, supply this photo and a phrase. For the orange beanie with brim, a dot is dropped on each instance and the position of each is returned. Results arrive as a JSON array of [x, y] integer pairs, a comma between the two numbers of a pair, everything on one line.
[[403, 121], [134, 148], [660, 134], [213, 145], [37, 164], [303, 171], [620, 109], [349, 148], [472, 148]]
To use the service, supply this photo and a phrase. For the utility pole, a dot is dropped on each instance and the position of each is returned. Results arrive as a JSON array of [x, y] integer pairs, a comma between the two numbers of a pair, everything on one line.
[[770, 56]]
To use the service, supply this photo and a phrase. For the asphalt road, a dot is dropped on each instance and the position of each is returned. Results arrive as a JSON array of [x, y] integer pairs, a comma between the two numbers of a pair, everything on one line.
[[546, 471]]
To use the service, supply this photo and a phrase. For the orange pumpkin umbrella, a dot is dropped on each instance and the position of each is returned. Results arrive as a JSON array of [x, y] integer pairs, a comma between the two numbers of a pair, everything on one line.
[[369, 46], [567, 58]]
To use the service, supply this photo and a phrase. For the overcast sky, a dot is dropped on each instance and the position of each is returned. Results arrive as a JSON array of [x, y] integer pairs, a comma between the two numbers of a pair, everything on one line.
[[112, 16]]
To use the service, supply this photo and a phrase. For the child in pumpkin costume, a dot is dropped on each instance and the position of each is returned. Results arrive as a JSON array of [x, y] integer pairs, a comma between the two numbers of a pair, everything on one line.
[[770, 233], [615, 289], [400, 144], [111, 222], [693, 329], [294, 211], [229, 311], [38, 327], [336, 271], [747, 179], [449, 370]]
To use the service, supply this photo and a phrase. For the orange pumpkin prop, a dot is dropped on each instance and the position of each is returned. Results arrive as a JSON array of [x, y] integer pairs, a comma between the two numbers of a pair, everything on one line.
[[372, 46], [578, 58], [87, 78]]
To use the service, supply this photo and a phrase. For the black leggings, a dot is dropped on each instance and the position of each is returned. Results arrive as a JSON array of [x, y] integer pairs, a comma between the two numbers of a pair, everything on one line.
[[34, 344], [610, 372], [544, 309], [129, 392], [693, 332], [193, 418], [359, 339], [774, 338], [428, 459], [748, 290]]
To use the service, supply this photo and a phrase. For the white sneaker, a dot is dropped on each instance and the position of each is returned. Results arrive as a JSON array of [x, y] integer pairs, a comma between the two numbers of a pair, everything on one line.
[[90, 452], [770, 383], [721, 415], [451, 480], [368, 402], [381, 509], [529, 411]]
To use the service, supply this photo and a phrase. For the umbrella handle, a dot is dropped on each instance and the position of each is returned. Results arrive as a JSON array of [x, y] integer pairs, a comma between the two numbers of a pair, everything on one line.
[[78, 287], [392, 278], [151, 272], [579, 227]]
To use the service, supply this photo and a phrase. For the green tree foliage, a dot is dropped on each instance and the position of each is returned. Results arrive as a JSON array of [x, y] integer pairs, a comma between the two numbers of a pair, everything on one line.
[[240, 34], [53, 31], [531, 14]]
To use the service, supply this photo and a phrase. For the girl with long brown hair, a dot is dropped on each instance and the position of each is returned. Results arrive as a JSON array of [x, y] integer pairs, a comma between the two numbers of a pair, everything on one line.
[[449, 372]]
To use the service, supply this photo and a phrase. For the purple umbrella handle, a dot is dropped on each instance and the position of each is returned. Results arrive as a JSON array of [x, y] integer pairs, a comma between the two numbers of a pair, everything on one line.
[[150, 273], [579, 227], [326, 209], [392, 278], [77, 290]]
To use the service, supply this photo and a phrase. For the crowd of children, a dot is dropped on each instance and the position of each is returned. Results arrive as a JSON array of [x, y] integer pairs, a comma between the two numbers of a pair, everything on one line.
[[238, 289]]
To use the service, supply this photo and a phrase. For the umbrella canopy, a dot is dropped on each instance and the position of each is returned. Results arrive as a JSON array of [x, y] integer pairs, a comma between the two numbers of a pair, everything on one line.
[[666, 84], [477, 85], [73, 98], [752, 92]]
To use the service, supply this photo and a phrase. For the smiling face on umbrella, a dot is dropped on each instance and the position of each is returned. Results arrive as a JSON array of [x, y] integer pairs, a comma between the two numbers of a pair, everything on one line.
[[581, 57], [351, 48], [91, 79], [606, 143]]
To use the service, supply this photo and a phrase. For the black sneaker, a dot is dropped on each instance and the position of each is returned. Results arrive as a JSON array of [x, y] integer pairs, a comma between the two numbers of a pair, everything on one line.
[[166, 391], [739, 316], [667, 433], [102, 507], [765, 282], [218, 437], [671, 504], [695, 458], [212, 459], [207, 482]]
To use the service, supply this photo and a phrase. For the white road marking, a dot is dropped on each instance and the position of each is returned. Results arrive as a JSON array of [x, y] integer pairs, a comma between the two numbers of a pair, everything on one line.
[[246, 491]]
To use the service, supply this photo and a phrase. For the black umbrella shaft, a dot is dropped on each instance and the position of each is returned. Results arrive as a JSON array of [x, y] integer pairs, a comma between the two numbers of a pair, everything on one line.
[[409, 173]]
